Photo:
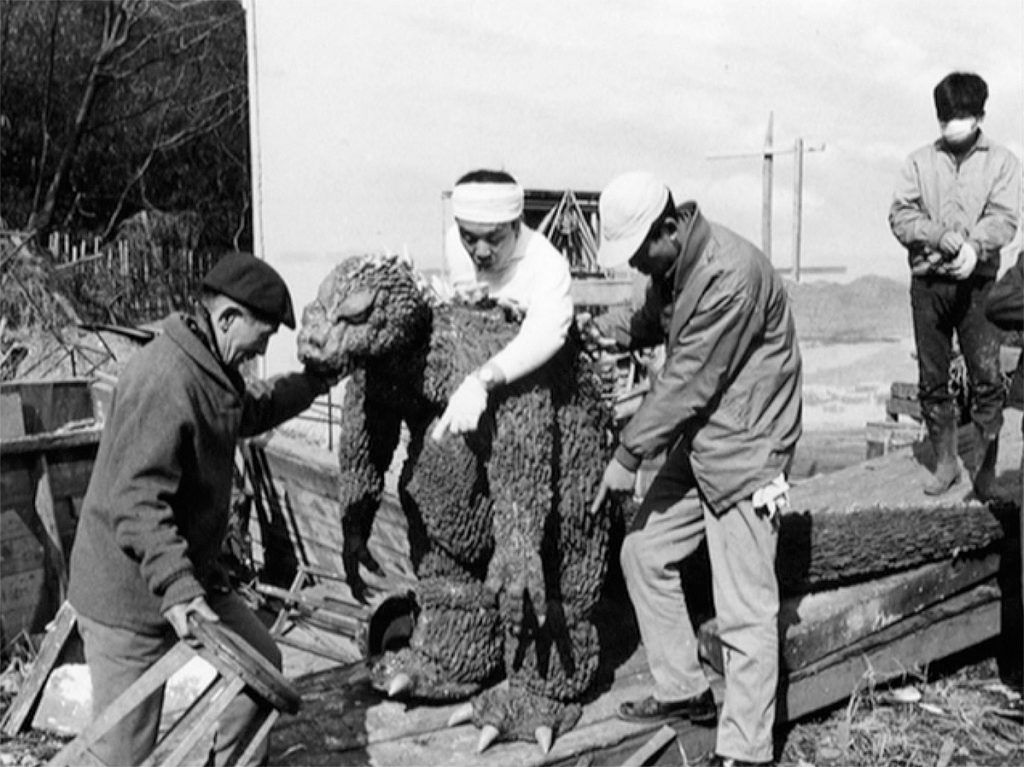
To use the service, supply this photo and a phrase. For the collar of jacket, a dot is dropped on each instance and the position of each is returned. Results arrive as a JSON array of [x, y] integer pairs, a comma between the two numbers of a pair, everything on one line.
[[694, 237], [981, 144], [193, 334]]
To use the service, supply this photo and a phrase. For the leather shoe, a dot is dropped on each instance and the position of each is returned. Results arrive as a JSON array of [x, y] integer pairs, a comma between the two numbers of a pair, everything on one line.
[[700, 709]]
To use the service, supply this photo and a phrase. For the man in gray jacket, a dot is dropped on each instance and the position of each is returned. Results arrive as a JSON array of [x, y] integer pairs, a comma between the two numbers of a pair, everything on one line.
[[147, 549], [725, 410]]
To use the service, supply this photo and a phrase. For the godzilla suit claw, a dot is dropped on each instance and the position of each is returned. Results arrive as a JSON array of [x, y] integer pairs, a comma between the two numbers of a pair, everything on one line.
[[488, 735], [545, 735], [461, 715], [399, 684]]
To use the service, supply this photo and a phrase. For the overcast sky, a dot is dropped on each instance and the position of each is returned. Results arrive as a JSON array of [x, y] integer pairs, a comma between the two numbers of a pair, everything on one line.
[[368, 109]]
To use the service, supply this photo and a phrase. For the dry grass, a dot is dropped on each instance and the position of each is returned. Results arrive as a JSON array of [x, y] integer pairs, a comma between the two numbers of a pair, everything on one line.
[[957, 716]]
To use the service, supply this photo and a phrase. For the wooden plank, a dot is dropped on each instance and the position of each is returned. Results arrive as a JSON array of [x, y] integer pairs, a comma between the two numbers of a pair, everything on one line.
[[657, 742], [941, 630], [885, 436], [21, 595], [814, 625], [21, 710], [20, 550], [838, 618], [895, 481], [50, 441], [47, 405], [52, 542], [157, 674], [70, 471], [12, 423]]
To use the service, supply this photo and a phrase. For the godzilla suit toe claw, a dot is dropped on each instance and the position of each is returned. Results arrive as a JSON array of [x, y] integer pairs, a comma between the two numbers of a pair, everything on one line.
[[488, 735], [401, 683], [461, 715], [545, 735]]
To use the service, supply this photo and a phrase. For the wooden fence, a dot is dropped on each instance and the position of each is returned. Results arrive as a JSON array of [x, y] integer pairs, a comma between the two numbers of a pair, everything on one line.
[[126, 285]]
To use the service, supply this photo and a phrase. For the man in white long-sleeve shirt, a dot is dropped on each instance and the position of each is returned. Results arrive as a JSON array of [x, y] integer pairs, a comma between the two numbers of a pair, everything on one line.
[[490, 251]]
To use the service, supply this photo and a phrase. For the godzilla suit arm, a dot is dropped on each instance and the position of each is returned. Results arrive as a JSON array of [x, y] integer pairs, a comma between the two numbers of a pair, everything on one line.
[[367, 440]]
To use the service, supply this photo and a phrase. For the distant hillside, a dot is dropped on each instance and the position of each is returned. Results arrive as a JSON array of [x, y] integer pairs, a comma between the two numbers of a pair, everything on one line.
[[867, 309]]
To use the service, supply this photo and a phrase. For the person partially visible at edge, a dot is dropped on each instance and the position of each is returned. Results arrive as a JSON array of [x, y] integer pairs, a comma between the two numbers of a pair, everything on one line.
[[490, 252], [725, 410], [956, 206], [146, 556], [1005, 308]]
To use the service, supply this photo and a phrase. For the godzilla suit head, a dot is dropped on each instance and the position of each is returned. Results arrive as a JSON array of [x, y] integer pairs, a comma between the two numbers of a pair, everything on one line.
[[368, 307]]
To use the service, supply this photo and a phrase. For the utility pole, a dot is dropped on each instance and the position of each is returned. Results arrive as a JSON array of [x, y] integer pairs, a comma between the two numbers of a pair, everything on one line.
[[768, 155], [798, 204], [766, 191]]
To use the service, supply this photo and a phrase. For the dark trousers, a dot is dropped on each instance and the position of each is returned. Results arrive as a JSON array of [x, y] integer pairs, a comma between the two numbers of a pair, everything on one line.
[[117, 657], [941, 307]]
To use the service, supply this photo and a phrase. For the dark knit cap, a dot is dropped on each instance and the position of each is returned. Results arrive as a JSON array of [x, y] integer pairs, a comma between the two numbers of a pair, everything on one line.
[[253, 283]]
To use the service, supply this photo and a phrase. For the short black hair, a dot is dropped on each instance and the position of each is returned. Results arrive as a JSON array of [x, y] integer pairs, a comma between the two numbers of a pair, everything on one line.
[[485, 176], [960, 94]]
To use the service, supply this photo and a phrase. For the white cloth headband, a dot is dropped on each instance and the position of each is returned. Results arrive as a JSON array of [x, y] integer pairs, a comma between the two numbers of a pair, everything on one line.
[[487, 203]]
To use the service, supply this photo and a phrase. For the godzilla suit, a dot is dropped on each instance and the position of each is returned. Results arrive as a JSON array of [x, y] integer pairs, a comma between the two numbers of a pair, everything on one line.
[[509, 559]]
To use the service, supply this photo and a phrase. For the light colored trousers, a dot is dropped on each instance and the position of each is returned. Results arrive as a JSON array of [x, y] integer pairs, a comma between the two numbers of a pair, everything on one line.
[[671, 523], [118, 657]]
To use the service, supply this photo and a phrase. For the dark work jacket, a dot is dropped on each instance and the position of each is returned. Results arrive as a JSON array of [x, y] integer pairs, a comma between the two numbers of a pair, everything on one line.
[[155, 514], [1004, 308], [730, 386]]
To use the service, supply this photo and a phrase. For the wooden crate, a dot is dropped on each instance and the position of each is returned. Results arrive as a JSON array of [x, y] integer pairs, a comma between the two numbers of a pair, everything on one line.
[[48, 444], [886, 436]]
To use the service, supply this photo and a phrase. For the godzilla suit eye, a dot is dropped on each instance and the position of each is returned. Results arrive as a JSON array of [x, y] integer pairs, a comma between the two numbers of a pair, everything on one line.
[[355, 309]]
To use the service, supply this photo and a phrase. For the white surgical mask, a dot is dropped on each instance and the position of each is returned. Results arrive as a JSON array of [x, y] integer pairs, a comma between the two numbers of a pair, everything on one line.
[[959, 130]]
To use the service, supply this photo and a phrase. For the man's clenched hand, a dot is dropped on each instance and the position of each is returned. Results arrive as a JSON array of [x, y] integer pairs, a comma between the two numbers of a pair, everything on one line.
[[177, 615]]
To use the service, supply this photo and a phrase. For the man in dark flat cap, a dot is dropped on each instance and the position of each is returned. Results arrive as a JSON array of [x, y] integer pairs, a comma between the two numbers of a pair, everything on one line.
[[147, 550]]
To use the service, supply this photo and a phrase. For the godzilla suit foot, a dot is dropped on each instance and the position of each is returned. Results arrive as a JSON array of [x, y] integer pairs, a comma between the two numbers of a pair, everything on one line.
[[503, 713]]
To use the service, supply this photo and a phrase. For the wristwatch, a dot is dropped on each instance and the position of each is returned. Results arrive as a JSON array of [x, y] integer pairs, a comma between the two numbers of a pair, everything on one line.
[[487, 375]]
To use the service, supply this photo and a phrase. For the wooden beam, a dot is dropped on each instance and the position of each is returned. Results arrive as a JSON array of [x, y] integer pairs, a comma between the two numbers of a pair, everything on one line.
[[21, 710]]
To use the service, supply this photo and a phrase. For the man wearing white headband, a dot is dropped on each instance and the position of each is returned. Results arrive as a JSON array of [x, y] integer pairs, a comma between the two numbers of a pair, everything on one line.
[[725, 411], [956, 206], [490, 252]]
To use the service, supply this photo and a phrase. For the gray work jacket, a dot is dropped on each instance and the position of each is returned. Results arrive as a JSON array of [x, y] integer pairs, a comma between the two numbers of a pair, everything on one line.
[[731, 384]]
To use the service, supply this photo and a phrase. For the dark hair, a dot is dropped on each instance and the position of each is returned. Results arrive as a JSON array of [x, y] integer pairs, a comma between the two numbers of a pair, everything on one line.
[[960, 94], [484, 176]]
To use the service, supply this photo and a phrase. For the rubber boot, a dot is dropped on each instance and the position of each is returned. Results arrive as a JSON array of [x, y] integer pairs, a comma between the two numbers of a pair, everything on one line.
[[986, 451], [947, 468]]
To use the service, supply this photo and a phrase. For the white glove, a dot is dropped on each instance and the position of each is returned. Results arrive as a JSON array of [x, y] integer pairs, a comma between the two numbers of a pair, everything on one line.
[[961, 267], [464, 409], [773, 497]]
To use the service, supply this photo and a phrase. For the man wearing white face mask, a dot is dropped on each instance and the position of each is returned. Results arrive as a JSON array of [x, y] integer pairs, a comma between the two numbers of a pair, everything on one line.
[[957, 205]]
